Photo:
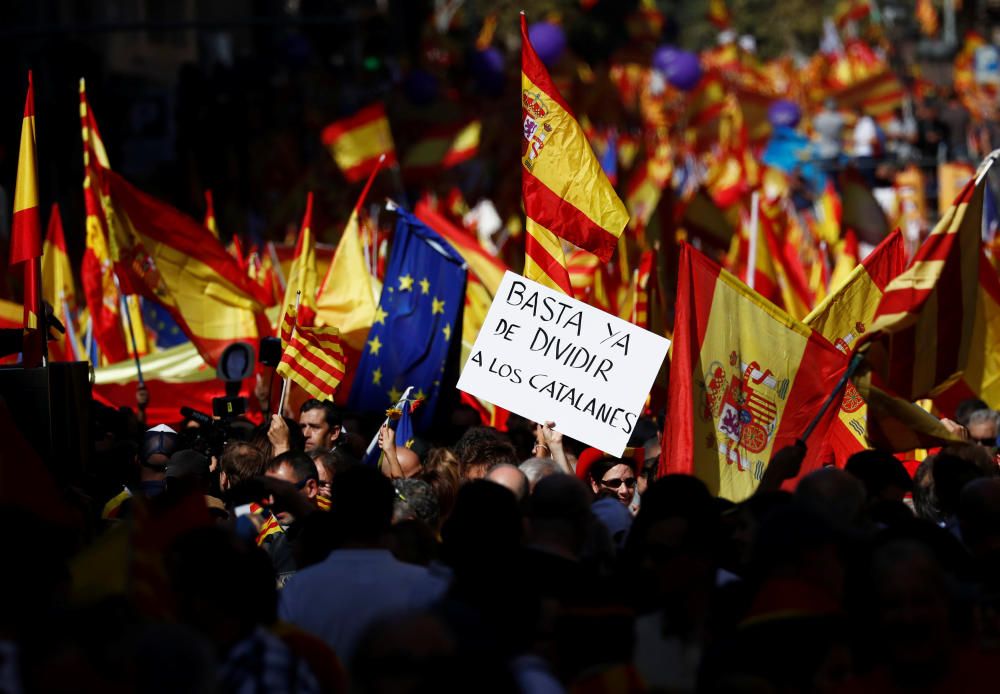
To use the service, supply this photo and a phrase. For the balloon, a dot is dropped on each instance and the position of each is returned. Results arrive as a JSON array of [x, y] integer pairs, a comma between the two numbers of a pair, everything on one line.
[[663, 56], [681, 68], [487, 65], [784, 113], [420, 87], [548, 40]]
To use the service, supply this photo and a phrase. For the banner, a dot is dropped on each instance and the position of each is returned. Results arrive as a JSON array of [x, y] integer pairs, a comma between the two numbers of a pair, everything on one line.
[[548, 357]]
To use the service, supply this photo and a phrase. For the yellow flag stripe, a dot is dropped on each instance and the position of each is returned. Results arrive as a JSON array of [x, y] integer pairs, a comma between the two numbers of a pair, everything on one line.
[[26, 187], [363, 143]]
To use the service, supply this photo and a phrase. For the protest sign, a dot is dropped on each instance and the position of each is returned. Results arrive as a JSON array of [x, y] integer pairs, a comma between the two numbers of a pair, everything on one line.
[[548, 357]]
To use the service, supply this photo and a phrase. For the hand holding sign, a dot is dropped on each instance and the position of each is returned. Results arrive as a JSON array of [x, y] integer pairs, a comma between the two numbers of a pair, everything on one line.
[[545, 356]]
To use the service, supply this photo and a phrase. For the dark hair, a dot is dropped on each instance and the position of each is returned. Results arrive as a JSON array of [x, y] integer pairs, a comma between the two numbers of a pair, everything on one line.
[[878, 470], [599, 468], [330, 413], [966, 408], [335, 461], [416, 499], [362, 503], [951, 473], [241, 461], [301, 464], [474, 440]]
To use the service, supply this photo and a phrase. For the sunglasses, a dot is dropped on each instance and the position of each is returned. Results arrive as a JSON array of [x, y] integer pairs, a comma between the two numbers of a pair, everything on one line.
[[989, 442], [617, 482]]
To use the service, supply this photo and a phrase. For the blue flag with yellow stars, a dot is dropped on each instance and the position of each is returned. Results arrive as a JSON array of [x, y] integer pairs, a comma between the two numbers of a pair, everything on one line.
[[416, 323], [161, 324]]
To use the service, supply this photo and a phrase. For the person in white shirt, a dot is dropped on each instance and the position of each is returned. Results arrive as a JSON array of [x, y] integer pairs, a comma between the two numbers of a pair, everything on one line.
[[360, 581]]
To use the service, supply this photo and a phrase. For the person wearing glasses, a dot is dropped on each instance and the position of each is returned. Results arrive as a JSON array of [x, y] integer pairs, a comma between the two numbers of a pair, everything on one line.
[[613, 477], [984, 426]]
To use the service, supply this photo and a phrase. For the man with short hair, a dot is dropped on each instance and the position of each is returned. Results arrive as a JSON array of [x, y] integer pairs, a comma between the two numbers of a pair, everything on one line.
[[509, 476], [321, 424], [298, 469], [240, 462], [984, 426]]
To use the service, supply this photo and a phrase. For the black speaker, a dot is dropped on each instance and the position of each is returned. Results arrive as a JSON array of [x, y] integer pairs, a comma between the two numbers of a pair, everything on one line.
[[270, 351], [51, 407]]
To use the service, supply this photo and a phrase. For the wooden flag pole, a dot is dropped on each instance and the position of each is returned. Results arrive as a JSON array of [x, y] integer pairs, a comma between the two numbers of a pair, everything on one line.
[[123, 302], [285, 381], [851, 368]]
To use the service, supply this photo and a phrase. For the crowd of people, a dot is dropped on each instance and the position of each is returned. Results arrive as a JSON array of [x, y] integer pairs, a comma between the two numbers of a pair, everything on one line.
[[270, 558]]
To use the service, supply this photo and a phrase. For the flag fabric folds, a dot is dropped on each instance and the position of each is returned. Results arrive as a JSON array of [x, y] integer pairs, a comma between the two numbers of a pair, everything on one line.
[[422, 297], [97, 270], [302, 273], [923, 329], [357, 142], [745, 380], [311, 357], [58, 287], [168, 257], [566, 193], [26, 236]]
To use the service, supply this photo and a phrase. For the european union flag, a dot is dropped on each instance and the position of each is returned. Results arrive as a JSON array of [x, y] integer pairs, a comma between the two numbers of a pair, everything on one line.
[[418, 317], [161, 324]]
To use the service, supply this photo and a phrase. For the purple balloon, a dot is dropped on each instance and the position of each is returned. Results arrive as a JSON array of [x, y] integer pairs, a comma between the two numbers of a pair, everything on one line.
[[487, 65], [663, 57], [548, 40], [681, 68], [784, 113]]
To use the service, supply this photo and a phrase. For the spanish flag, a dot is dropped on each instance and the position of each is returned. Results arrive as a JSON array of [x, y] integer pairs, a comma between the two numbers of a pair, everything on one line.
[[311, 357], [58, 287], [302, 273], [745, 381], [26, 236], [357, 142], [925, 329], [172, 259], [97, 271], [566, 193], [843, 317], [442, 148]]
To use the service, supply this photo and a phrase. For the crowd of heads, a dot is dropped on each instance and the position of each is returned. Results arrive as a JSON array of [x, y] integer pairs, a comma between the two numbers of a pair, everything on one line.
[[500, 561]]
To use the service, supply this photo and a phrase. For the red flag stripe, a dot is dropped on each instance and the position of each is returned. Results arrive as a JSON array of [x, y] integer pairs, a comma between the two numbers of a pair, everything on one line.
[[553, 212]]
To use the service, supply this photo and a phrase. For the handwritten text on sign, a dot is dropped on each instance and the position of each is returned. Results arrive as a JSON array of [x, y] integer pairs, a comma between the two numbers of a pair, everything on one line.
[[549, 357]]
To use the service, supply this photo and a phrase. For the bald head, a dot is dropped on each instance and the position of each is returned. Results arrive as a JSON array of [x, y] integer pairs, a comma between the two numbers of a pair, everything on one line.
[[509, 476], [409, 461], [836, 495]]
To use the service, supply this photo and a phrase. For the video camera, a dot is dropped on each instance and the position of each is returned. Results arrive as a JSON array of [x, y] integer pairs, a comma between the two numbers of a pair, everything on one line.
[[216, 430]]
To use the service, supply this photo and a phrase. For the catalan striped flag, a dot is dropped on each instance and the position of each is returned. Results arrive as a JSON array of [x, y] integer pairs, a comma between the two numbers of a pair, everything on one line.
[[442, 148], [97, 270], [923, 331], [566, 194], [302, 273], [843, 317], [311, 357], [26, 236], [58, 287], [357, 142], [745, 380]]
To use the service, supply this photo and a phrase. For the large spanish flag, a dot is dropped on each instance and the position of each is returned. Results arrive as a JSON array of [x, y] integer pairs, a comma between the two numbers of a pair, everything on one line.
[[745, 381], [172, 259], [924, 327], [26, 235], [97, 271], [842, 318], [566, 193], [302, 273], [357, 142]]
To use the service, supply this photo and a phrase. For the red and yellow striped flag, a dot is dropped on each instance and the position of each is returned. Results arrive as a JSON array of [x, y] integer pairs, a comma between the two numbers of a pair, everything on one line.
[[745, 380], [302, 273], [26, 235], [843, 317], [311, 357], [357, 142], [209, 222], [566, 193], [923, 329], [97, 270], [58, 287], [442, 148]]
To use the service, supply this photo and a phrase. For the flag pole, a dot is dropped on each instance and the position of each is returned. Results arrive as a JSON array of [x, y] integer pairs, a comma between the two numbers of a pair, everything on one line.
[[635, 296], [123, 302], [399, 405], [752, 252], [851, 368], [277, 265], [70, 331], [291, 336]]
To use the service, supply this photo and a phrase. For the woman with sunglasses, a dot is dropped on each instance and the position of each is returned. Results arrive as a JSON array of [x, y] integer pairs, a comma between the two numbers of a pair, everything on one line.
[[613, 477]]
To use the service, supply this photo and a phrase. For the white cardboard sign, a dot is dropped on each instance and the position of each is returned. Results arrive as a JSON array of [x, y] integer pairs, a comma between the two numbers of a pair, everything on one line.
[[549, 357]]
